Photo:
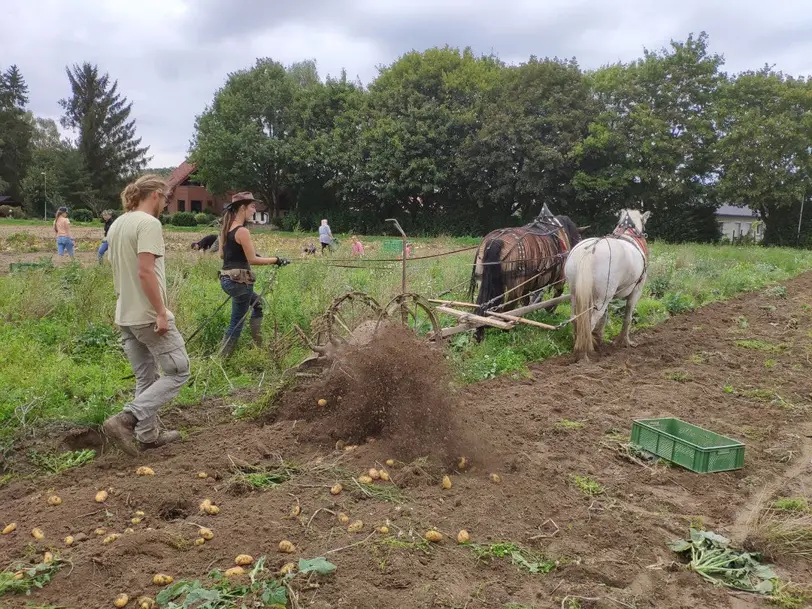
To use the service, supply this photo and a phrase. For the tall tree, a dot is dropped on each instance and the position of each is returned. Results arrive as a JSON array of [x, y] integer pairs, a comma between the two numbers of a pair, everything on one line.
[[100, 116], [241, 139], [653, 143], [15, 132], [765, 118]]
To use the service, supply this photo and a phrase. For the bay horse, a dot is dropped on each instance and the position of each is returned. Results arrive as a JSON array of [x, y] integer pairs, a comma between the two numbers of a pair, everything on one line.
[[513, 264], [600, 269]]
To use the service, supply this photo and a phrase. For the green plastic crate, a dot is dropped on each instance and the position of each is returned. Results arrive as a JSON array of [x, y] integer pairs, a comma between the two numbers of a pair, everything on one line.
[[392, 245], [692, 447]]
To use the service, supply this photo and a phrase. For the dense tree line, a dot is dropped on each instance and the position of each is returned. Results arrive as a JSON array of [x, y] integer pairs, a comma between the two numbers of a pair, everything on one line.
[[43, 170], [449, 142]]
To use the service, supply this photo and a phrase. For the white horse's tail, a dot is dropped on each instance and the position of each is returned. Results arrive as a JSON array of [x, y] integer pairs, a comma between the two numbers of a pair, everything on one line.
[[584, 303]]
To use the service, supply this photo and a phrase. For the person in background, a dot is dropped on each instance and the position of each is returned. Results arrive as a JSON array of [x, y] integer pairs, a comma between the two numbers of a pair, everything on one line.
[[64, 242], [150, 337], [206, 244], [107, 216], [357, 247], [309, 249], [236, 279], [325, 236]]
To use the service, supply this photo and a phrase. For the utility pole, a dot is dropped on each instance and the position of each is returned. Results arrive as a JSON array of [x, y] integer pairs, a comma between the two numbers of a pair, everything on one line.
[[45, 204], [800, 219]]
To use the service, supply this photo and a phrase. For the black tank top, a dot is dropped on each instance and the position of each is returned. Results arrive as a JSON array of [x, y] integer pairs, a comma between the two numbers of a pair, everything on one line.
[[233, 254]]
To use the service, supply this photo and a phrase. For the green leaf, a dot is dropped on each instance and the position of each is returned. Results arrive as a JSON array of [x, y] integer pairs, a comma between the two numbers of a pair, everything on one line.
[[679, 546], [318, 565], [275, 595]]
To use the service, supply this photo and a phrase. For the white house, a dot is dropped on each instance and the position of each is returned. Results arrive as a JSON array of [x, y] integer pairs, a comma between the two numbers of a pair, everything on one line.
[[737, 222]]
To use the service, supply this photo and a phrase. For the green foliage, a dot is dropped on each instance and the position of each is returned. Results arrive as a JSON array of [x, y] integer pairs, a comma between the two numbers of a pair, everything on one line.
[[713, 559], [21, 578], [586, 485], [525, 559], [792, 504], [262, 591], [107, 144], [57, 463], [184, 218], [82, 215], [206, 219]]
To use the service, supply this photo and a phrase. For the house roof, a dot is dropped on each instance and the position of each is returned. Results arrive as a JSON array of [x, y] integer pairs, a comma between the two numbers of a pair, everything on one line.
[[741, 211], [180, 174]]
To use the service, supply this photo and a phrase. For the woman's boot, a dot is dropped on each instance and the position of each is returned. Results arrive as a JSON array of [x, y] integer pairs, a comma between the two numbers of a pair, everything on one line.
[[256, 331]]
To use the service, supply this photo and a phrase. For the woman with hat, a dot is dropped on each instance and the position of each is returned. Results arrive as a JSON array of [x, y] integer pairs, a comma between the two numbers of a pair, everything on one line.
[[238, 254], [64, 242]]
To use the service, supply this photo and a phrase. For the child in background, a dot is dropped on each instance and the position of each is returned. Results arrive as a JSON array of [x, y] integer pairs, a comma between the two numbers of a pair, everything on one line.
[[357, 247]]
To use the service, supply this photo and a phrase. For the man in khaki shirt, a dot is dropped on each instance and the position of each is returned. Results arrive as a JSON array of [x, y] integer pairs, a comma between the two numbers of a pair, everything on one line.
[[147, 326]]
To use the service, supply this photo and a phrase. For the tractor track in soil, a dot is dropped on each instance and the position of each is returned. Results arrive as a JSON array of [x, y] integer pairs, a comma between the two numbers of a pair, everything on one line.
[[611, 546]]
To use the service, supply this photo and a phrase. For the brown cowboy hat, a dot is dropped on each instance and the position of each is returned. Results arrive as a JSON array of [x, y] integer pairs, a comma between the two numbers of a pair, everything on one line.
[[241, 197]]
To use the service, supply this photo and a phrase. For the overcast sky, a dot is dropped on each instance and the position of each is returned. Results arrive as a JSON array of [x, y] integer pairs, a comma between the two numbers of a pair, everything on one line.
[[169, 56]]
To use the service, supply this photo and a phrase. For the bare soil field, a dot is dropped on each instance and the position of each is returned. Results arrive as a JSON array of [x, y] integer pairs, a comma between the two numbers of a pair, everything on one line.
[[740, 368]]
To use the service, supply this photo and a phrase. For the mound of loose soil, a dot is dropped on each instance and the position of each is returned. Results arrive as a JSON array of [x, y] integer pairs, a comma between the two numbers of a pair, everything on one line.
[[397, 389]]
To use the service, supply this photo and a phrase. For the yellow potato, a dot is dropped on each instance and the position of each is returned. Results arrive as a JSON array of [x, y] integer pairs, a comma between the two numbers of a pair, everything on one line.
[[343, 518], [350, 447], [54, 500], [340, 444], [383, 530], [100, 531], [462, 463], [496, 478], [287, 547], [146, 602], [295, 510], [101, 496], [385, 475], [10, 528], [199, 541], [364, 479], [235, 572], [205, 504], [38, 534], [374, 473], [322, 402], [355, 526], [212, 510], [446, 482], [463, 537], [136, 521], [390, 462], [161, 579], [121, 601], [202, 475], [111, 538], [47, 558], [69, 540], [19, 575], [129, 530], [433, 536], [139, 514], [144, 471], [243, 560], [287, 568], [206, 533]]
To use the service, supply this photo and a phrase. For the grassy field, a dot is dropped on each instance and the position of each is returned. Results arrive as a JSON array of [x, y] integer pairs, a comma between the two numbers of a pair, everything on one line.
[[62, 361]]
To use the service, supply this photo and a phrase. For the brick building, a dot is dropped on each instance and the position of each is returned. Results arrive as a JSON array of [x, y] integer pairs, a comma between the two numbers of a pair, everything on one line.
[[192, 196]]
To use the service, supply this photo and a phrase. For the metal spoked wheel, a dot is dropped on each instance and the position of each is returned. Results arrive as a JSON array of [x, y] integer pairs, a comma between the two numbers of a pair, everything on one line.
[[414, 312], [347, 317]]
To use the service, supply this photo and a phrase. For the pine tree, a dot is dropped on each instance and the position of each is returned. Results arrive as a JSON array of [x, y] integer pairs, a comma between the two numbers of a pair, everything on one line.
[[16, 130], [106, 135]]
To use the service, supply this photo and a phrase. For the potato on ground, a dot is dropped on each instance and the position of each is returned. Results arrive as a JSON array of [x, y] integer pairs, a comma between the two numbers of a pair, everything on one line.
[[121, 600], [243, 560], [286, 547]]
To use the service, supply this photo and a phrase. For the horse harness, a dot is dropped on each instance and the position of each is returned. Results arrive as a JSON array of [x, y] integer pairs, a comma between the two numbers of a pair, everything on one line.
[[627, 231], [540, 227]]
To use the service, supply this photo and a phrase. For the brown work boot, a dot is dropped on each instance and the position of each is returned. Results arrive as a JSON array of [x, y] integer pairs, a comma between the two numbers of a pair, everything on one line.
[[120, 428], [256, 331], [164, 438]]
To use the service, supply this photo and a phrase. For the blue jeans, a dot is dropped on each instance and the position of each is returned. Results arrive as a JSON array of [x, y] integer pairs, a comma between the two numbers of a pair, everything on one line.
[[64, 245], [243, 298], [102, 250]]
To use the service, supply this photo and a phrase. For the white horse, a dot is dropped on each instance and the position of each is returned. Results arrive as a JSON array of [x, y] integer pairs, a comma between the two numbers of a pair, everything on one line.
[[600, 269]]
